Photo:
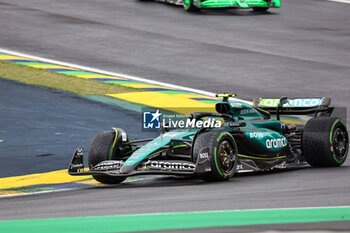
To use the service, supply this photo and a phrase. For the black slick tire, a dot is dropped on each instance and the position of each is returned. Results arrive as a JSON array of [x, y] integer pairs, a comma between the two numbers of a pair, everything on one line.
[[105, 146], [325, 142], [223, 154]]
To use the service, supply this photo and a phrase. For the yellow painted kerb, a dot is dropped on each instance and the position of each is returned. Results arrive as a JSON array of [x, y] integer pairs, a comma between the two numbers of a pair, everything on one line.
[[178, 103], [49, 66], [55, 177], [88, 76], [10, 57]]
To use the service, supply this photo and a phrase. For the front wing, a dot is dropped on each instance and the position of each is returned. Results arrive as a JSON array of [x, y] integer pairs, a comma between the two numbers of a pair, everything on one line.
[[113, 167]]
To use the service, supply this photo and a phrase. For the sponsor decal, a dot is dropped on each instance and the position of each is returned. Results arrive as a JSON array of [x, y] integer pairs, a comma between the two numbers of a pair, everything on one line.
[[233, 124], [108, 165], [168, 165], [256, 134], [276, 143], [78, 166], [247, 111], [204, 155], [236, 105], [280, 166], [307, 102]]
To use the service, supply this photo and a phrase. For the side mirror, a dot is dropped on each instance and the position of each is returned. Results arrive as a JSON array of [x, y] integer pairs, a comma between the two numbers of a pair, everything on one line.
[[223, 108]]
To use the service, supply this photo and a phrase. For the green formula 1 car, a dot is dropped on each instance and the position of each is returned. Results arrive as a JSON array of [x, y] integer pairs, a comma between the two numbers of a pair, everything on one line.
[[196, 5], [246, 139]]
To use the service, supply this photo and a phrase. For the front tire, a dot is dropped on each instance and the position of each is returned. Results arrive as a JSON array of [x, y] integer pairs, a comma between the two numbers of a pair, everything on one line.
[[222, 154], [106, 146], [325, 142]]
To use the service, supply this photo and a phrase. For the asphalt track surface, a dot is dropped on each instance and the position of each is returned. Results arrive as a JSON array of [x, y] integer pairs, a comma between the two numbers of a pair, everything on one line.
[[40, 127], [299, 50]]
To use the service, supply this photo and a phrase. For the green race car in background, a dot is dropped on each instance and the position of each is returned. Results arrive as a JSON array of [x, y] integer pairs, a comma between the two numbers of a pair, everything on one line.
[[196, 5], [247, 139]]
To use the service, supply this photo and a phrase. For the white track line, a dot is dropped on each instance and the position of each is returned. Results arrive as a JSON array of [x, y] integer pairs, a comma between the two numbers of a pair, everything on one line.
[[114, 74], [342, 1]]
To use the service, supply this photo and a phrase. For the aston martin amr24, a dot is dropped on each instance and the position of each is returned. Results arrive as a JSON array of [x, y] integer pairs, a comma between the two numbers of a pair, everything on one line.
[[247, 139]]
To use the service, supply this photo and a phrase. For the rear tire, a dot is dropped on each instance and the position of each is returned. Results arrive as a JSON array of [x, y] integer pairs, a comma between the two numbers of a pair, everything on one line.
[[102, 149], [325, 142], [189, 6], [222, 153]]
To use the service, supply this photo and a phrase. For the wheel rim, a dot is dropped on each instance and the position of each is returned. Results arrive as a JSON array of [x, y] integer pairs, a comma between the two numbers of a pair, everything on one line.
[[227, 156], [340, 143]]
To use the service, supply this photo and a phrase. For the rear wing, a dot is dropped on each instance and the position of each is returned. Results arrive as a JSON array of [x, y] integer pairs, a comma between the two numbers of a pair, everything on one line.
[[295, 106]]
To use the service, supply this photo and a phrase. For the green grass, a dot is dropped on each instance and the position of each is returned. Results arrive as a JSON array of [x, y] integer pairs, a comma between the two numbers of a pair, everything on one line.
[[45, 78]]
